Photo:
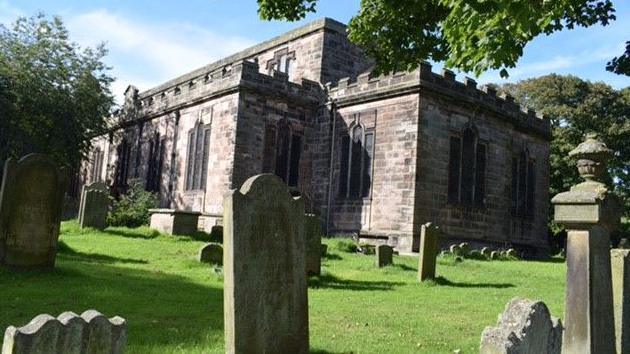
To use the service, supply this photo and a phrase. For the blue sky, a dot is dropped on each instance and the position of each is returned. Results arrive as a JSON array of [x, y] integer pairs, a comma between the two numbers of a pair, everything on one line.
[[153, 41]]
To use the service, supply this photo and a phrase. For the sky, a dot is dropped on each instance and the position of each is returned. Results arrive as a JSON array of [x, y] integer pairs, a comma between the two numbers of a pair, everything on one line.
[[152, 41]]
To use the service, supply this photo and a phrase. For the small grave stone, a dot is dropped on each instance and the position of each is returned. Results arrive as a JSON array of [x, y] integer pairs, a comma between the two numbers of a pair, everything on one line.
[[216, 233], [211, 253], [313, 233], [620, 269], [464, 248], [265, 289], [324, 250], [494, 255], [624, 244], [511, 253], [384, 255], [31, 203], [485, 251], [429, 239], [94, 206], [525, 327], [455, 250], [88, 334]]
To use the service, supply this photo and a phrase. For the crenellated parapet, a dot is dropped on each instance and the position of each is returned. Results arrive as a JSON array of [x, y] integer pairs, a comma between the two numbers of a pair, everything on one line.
[[370, 88]]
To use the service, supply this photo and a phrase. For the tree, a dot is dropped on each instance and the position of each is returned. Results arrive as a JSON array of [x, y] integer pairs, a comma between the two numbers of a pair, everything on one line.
[[621, 64], [575, 108], [54, 95], [470, 35]]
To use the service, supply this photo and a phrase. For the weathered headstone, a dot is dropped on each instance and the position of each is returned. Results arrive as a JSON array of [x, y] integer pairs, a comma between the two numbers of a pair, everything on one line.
[[511, 253], [324, 250], [91, 333], [31, 203], [589, 212], [94, 206], [313, 234], [485, 251], [494, 255], [455, 250], [384, 255], [464, 248], [525, 327], [211, 253], [175, 222], [429, 239], [620, 269], [265, 290], [624, 244]]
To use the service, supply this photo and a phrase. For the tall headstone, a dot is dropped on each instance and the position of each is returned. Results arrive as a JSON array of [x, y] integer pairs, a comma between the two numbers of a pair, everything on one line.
[[31, 203], [589, 212], [384, 255], [265, 289], [429, 239], [90, 333], [620, 268], [525, 327], [94, 206], [313, 234]]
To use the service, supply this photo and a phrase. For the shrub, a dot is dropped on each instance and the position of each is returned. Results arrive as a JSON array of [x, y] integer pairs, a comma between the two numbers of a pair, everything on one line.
[[132, 209], [346, 245]]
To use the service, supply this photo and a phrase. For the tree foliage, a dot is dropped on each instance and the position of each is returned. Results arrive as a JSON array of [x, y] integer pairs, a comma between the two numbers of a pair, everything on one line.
[[577, 107], [470, 35], [54, 95], [621, 64]]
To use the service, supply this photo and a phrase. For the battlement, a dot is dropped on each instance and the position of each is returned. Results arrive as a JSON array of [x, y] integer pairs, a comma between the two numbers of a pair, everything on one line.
[[368, 88]]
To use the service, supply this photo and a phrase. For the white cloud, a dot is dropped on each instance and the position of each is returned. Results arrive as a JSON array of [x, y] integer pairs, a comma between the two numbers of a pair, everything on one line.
[[153, 52]]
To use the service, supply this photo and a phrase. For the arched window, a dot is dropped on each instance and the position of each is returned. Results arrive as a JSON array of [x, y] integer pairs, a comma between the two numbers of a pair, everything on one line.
[[122, 163], [156, 157], [523, 184], [357, 154], [467, 169], [197, 159], [97, 165], [282, 152]]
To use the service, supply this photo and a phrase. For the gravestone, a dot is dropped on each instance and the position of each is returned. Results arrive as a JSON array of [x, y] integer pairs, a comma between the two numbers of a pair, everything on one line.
[[91, 333], [211, 253], [624, 244], [620, 269], [485, 251], [525, 327], [589, 212], [31, 203], [265, 289], [429, 239], [494, 255], [94, 206], [464, 249], [313, 234], [324, 250], [175, 222], [455, 250], [384, 255]]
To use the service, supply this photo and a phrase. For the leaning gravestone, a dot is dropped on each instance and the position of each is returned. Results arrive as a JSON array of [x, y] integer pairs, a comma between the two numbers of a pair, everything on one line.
[[429, 239], [31, 203], [94, 206], [525, 327], [211, 253], [384, 255], [313, 234], [91, 333], [265, 291]]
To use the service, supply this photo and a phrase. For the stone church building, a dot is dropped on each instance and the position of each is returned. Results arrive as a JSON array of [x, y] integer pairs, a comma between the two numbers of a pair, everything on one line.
[[373, 156]]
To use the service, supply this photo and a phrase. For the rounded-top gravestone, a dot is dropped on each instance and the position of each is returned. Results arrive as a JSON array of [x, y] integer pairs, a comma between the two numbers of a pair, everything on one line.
[[31, 199], [211, 253]]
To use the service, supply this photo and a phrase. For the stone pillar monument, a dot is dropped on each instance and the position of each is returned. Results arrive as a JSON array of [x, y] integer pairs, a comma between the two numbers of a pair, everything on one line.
[[589, 211]]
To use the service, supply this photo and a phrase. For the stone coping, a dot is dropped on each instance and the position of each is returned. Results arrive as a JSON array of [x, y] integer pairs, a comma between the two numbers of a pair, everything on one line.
[[174, 211]]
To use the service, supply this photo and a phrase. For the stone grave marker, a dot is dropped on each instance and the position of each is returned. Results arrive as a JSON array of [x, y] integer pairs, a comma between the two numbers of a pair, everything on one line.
[[91, 333], [620, 269], [384, 255], [211, 253], [313, 234], [94, 206], [265, 289], [525, 327], [324, 250], [429, 239], [31, 203]]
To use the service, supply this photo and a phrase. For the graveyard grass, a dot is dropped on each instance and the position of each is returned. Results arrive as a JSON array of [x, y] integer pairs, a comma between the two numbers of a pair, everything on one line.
[[173, 304]]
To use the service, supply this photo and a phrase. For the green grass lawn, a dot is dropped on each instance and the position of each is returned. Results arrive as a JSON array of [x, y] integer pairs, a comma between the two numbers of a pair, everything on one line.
[[173, 304]]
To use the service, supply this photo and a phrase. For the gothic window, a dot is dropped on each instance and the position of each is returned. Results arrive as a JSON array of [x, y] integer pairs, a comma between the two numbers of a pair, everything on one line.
[[357, 155], [156, 158], [197, 157], [523, 184], [97, 165], [283, 61], [282, 151], [466, 169], [122, 163]]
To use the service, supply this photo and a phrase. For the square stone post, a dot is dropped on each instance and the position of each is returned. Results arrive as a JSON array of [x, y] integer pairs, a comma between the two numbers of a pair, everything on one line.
[[620, 266], [429, 235], [588, 212]]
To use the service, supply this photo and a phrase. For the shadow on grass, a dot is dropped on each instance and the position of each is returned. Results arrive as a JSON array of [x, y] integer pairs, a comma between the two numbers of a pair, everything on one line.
[[322, 351], [332, 257], [65, 251], [133, 233], [164, 311], [445, 282], [405, 267], [328, 281]]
